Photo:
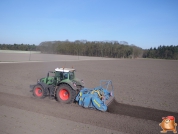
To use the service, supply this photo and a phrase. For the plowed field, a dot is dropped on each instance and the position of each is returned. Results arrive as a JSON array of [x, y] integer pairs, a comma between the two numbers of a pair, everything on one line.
[[145, 91]]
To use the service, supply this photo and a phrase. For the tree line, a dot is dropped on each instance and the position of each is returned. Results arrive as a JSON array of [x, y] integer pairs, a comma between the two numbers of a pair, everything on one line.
[[111, 49], [23, 47], [162, 52]]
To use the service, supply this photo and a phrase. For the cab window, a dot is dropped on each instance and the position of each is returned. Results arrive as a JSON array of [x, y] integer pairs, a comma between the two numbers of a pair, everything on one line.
[[71, 75]]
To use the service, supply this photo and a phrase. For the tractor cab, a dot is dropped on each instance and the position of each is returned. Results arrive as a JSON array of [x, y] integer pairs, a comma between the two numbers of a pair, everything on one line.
[[60, 74], [65, 73]]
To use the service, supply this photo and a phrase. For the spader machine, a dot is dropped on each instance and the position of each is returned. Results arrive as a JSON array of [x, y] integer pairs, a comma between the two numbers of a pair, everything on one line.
[[66, 88]]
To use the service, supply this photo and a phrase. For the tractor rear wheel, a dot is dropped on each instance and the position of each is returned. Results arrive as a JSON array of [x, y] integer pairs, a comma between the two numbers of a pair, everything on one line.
[[38, 91], [65, 94]]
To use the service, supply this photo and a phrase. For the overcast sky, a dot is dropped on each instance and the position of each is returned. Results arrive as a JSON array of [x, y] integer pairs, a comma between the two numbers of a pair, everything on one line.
[[144, 23]]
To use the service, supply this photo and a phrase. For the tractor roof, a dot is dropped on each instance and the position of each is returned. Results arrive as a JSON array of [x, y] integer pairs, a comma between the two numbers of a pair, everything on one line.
[[64, 69]]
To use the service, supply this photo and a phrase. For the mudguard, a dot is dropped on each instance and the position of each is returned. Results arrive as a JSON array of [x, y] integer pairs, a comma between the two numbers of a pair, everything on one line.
[[84, 97], [87, 101], [99, 104]]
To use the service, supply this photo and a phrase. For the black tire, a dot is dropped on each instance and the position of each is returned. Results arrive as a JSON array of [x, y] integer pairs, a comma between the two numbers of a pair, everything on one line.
[[65, 94], [38, 91]]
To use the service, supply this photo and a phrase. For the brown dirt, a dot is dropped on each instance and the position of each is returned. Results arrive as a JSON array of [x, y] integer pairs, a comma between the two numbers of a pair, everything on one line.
[[145, 91]]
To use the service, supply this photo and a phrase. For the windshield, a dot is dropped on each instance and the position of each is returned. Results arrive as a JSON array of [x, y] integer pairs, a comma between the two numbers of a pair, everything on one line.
[[65, 75], [71, 75]]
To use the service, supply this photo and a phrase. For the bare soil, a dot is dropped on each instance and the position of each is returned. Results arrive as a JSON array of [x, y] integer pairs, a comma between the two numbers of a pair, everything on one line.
[[145, 90]]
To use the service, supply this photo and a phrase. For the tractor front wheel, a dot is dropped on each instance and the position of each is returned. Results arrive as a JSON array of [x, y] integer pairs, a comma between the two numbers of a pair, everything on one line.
[[38, 91], [65, 94]]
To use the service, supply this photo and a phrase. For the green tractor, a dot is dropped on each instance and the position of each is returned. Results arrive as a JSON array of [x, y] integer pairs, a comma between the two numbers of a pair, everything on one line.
[[63, 85]]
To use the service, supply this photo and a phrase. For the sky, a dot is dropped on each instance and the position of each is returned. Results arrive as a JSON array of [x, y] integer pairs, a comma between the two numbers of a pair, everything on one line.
[[144, 23]]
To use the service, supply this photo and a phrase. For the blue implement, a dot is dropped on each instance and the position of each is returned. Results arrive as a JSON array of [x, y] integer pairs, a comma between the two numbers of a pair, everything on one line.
[[96, 98]]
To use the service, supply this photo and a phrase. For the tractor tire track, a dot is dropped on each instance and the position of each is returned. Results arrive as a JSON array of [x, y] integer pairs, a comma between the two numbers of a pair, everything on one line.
[[139, 112]]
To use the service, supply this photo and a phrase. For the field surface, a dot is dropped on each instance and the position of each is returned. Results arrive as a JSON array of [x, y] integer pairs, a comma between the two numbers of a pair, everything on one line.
[[145, 91]]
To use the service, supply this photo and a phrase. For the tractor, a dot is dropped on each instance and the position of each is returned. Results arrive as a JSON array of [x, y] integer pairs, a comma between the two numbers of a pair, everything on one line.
[[66, 88], [62, 85]]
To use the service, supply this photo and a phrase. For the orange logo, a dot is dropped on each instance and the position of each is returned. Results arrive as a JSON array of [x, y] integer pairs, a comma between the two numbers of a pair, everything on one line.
[[168, 124]]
